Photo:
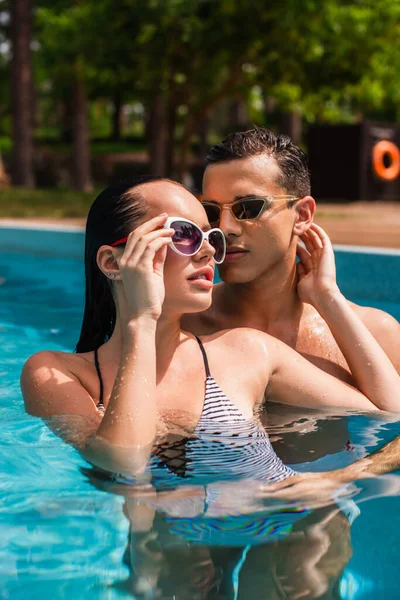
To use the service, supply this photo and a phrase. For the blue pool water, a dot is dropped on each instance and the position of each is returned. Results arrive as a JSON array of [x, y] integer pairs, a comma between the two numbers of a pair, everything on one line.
[[63, 535]]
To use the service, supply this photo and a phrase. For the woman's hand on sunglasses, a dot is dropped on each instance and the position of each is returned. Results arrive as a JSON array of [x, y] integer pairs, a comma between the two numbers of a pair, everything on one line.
[[316, 269], [141, 267]]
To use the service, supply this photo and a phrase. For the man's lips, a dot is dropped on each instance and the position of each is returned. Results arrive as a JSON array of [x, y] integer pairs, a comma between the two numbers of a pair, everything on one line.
[[234, 249], [234, 253]]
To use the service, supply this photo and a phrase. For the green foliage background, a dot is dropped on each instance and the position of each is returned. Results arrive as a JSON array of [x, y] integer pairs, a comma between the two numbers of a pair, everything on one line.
[[325, 60]]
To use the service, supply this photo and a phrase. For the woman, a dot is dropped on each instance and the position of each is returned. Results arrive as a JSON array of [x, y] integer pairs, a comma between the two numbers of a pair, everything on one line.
[[135, 387]]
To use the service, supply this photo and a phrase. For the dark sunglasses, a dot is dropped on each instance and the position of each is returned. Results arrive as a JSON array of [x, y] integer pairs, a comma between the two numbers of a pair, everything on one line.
[[249, 208], [188, 238]]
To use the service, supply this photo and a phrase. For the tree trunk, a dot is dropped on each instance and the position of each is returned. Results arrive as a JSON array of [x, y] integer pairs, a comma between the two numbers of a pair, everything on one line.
[[156, 133], [186, 144], [238, 115], [269, 103], [67, 112], [80, 146], [117, 117], [3, 175], [269, 109], [291, 125], [21, 93], [171, 138], [202, 130]]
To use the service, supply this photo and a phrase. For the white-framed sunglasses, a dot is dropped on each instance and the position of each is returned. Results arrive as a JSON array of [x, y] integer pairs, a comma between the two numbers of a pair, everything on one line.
[[188, 238]]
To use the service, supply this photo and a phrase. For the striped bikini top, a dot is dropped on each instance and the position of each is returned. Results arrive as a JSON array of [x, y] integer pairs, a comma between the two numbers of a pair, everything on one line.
[[224, 445]]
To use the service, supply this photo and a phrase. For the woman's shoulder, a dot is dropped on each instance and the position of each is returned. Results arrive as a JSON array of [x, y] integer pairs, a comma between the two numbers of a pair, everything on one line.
[[238, 334], [49, 377], [240, 354], [53, 359], [245, 339]]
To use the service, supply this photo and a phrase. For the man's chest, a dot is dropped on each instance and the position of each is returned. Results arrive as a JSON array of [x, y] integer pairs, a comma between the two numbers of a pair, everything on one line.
[[311, 337], [314, 340]]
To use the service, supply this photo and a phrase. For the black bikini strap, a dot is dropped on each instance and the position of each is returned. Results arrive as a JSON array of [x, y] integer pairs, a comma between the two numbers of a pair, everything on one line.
[[100, 403], [207, 368]]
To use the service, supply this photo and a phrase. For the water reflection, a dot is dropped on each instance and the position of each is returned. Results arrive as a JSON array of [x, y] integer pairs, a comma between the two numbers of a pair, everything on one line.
[[228, 541], [325, 439]]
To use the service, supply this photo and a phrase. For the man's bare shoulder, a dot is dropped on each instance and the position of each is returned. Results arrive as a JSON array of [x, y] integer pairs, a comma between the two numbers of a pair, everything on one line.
[[376, 320], [210, 320], [384, 328]]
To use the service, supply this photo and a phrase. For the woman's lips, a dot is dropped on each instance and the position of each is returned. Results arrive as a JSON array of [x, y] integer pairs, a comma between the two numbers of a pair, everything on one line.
[[203, 277], [201, 283]]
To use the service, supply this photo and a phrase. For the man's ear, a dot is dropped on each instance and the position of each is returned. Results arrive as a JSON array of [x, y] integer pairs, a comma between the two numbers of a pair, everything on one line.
[[305, 210], [107, 262]]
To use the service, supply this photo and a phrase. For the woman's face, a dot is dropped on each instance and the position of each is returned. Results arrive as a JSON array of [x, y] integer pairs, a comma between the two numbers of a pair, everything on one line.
[[188, 279]]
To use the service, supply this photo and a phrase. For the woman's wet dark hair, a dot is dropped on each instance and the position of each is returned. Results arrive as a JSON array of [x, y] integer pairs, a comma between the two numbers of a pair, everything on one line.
[[117, 211]]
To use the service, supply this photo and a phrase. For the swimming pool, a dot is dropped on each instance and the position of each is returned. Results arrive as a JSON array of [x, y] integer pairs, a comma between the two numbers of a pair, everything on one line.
[[65, 536]]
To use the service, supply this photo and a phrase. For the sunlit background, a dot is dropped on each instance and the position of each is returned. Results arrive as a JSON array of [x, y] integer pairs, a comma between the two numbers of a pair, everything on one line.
[[94, 90]]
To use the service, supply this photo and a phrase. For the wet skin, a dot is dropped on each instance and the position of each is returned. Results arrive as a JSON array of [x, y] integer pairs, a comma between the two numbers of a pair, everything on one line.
[[259, 288]]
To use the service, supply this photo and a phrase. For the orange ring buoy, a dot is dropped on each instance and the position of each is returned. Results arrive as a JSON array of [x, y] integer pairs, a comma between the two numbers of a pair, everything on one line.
[[389, 149]]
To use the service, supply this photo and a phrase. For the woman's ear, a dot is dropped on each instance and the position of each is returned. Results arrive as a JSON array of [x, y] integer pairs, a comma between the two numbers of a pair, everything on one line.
[[107, 262], [305, 210]]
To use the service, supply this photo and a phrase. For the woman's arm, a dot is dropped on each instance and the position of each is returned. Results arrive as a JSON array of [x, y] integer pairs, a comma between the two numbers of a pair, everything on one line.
[[122, 440], [372, 370]]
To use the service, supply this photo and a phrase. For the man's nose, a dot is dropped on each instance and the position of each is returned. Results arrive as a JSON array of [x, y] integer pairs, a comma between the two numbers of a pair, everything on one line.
[[228, 223]]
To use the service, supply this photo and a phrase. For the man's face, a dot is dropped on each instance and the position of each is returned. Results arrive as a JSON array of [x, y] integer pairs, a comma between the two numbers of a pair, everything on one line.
[[259, 246]]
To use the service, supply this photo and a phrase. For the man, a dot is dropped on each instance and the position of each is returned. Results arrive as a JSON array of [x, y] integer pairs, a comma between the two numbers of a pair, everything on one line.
[[256, 188]]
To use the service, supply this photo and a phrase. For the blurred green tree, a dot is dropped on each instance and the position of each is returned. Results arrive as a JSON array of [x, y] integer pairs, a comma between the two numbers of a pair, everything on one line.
[[63, 50], [331, 60]]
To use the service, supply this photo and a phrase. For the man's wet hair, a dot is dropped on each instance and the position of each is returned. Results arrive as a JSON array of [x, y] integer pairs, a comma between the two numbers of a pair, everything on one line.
[[291, 160]]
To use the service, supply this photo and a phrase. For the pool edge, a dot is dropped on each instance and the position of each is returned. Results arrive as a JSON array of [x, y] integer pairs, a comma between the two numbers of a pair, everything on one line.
[[15, 225]]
